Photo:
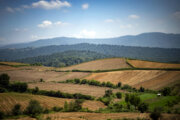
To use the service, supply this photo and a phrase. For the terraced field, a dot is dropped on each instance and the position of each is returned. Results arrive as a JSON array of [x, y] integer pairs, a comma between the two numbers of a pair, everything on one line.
[[147, 64], [72, 88], [102, 64], [151, 79], [8, 100], [34, 75]]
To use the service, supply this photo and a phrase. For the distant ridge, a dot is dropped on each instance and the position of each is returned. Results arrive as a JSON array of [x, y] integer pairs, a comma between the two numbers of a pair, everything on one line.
[[153, 39]]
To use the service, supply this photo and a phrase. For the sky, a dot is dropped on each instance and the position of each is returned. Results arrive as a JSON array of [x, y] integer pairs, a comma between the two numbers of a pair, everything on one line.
[[30, 20]]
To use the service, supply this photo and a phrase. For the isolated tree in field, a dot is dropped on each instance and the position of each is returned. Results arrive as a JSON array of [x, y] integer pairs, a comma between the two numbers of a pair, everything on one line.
[[4, 80], [156, 114], [17, 109], [143, 107], [119, 84], [141, 89], [34, 108]]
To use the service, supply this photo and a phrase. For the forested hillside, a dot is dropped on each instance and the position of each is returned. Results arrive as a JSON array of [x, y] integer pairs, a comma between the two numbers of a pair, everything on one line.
[[65, 58], [143, 53]]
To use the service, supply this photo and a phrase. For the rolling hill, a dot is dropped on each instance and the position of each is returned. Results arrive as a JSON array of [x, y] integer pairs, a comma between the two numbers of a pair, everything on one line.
[[143, 53], [154, 39]]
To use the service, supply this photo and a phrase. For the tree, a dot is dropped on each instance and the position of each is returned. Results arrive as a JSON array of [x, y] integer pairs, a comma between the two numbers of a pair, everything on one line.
[[78, 105], [134, 100], [1, 115], [108, 93], [17, 109], [143, 107], [4, 80], [141, 89], [166, 91], [156, 114], [119, 95], [34, 108], [119, 84], [66, 106], [35, 90], [127, 98], [19, 87]]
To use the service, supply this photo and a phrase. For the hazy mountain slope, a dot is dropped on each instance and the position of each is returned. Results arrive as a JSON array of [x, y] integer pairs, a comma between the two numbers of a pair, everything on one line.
[[155, 39], [144, 53]]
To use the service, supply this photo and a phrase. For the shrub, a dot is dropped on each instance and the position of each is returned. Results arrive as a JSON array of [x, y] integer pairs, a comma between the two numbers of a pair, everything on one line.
[[127, 98], [105, 100], [141, 89], [19, 87], [41, 80], [57, 109], [119, 84], [143, 107], [34, 108], [1, 115], [4, 80], [108, 84], [119, 95], [166, 91], [2, 90], [156, 114], [126, 87], [35, 90], [17, 110], [108, 93]]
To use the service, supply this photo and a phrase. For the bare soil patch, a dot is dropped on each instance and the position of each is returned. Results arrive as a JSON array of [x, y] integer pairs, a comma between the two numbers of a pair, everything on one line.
[[147, 64], [151, 79], [72, 88], [102, 64]]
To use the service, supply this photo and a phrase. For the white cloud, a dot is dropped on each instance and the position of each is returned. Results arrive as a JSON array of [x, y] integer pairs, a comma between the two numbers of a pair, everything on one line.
[[61, 23], [45, 24], [134, 16], [9, 9], [109, 21], [85, 34], [177, 14], [53, 4], [85, 6]]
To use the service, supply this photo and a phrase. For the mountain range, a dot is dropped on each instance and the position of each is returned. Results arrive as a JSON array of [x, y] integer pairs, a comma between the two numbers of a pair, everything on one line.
[[154, 39]]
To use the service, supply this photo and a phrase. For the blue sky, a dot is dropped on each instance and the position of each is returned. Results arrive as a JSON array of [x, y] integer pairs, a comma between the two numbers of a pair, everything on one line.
[[29, 20]]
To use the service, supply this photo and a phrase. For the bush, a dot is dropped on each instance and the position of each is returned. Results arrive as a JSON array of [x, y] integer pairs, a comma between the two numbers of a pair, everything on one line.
[[156, 114], [119, 84], [141, 89], [19, 87], [35, 90], [34, 108], [143, 107], [4, 80], [166, 91], [41, 80], [108, 93], [17, 110], [1, 115], [127, 98], [57, 109], [2, 90], [126, 87], [73, 106], [119, 95], [134, 100], [105, 100]]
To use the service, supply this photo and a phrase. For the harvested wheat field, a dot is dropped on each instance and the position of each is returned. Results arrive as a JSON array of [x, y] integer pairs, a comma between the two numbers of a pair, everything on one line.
[[105, 116], [8, 100], [35, 76], [13, 63], [102, 64], [72, 88], [147, 64], [151, 79]]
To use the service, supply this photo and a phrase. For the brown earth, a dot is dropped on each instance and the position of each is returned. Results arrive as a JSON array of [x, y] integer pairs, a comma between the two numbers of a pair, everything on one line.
[[105, 116], [102, 64], [151, 79], [8, 100], [73, 88], [147, 64], [35, 75]]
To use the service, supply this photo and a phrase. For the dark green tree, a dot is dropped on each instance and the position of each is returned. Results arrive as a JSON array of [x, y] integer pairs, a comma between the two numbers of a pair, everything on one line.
[[156, 114], [119, 95], [17, 110], [34, 108], [4, 80], [119, 84], [108, 93], [166, 91], [141, 89], [143, 107]]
